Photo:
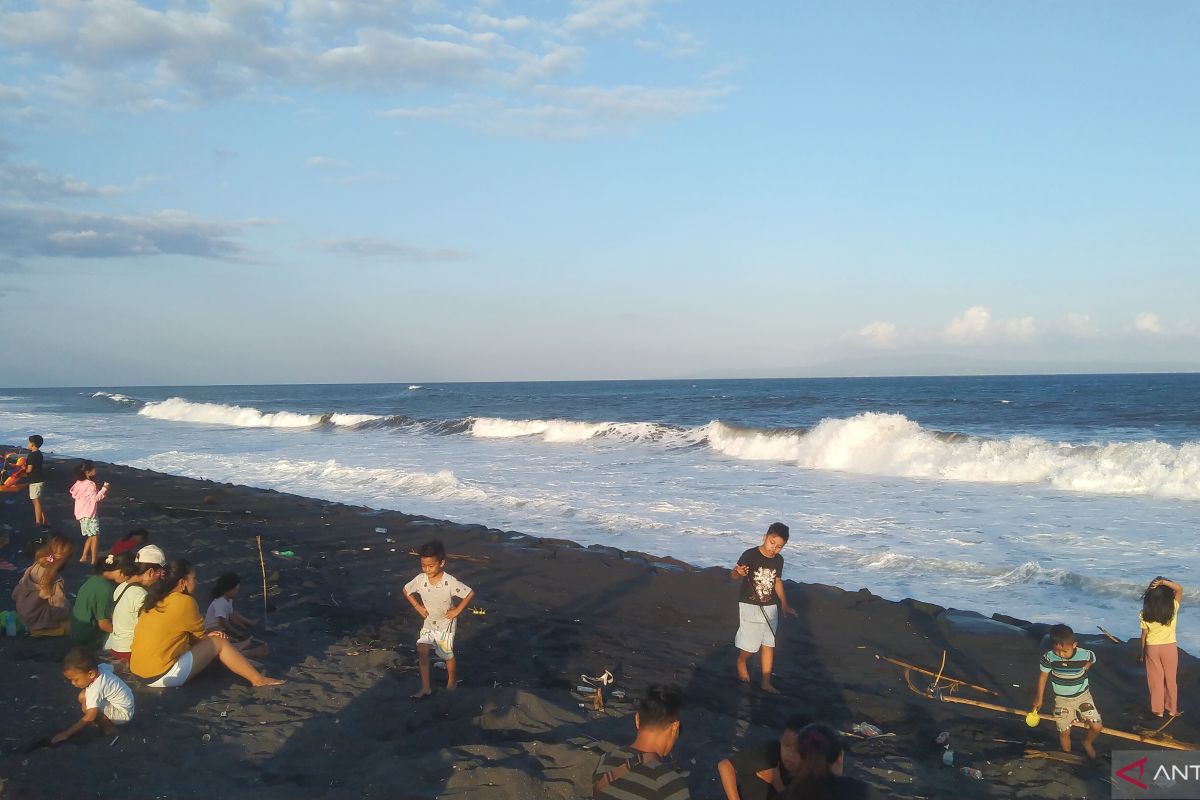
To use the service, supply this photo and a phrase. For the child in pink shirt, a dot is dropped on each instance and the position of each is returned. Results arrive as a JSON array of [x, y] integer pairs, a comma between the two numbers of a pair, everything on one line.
[[87, 498]]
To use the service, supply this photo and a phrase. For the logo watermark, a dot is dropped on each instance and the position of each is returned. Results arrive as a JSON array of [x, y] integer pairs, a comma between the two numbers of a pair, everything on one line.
[[1156, 774]]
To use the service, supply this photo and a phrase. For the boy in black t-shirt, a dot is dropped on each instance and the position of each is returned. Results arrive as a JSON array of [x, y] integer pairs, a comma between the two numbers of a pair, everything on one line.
[[35, 470], [760, 570]]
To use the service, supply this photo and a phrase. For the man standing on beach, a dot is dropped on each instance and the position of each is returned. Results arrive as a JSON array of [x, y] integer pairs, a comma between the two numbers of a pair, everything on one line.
[[641, 772], [35, 470]]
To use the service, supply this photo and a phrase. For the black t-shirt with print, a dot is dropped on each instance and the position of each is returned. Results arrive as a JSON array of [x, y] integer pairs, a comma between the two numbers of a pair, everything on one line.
[[34, 462], [758, 587]]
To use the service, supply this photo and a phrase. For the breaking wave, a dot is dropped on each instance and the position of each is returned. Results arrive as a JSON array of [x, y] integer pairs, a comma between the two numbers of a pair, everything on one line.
[[117, 398], [868, 444]]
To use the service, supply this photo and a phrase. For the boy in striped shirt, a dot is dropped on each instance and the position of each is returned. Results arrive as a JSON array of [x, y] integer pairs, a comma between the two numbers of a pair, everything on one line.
[[1066, 666]]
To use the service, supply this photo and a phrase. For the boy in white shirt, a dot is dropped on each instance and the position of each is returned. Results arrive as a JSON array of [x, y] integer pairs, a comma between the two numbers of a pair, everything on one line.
[[437, 590], [106, 700]]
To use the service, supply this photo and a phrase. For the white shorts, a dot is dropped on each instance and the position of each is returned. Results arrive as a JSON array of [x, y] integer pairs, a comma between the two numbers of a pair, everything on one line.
[[757, 626], [177, 675], [35, 490], [441, 641], [116, 714]]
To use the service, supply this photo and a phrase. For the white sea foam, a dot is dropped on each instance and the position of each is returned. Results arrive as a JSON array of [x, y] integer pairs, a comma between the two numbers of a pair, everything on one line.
[[413, 387], [176, 409], [563, 430], [116, 397], [892, 444]]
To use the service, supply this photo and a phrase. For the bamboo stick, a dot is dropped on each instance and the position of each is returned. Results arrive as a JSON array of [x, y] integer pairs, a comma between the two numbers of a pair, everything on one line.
[[956, 681], [1111, 638], [262, 565]]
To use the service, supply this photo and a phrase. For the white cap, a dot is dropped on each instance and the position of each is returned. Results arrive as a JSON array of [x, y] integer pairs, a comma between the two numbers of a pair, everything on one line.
[[151, 554]]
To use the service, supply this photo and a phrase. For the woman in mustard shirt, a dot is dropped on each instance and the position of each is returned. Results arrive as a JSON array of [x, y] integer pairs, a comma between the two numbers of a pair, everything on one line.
[[169, 642], [1160, 612]]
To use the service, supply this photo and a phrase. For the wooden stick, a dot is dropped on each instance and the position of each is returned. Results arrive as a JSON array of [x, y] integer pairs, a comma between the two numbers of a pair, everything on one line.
[[955, 681], [1133, 737], [1111, 638], [262, 565], [458, 557]]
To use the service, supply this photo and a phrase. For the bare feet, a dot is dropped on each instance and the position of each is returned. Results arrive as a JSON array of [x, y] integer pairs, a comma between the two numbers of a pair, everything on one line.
[[421, 695], [743, 673], [768, 688], [450, 687], [268, 682]]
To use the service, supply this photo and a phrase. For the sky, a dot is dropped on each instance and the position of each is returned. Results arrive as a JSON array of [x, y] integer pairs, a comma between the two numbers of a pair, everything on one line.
[[263, 191]]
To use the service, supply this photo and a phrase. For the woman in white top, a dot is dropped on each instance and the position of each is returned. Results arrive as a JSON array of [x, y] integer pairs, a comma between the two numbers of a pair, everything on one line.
[[129, 596]]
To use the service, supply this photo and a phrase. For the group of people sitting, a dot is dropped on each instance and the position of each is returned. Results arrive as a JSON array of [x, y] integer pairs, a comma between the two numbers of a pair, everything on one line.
[[137, 615]]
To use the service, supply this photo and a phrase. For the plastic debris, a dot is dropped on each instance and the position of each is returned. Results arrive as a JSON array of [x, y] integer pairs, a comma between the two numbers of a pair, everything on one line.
[[948, 757], [381, 530], [971, 772], [867, 730]]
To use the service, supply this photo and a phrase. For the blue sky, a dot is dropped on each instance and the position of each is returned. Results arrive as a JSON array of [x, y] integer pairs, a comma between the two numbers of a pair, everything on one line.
[[261, 191]]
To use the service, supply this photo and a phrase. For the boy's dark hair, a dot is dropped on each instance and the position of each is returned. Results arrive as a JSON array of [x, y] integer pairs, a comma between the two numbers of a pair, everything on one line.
[[224, 583], [660, 706], [115, 561], [780, 530], [36, 440], [1061, 635], [79, 660], [82, 469], [818, 746], [141, 533], [796, 723], [434, 549]]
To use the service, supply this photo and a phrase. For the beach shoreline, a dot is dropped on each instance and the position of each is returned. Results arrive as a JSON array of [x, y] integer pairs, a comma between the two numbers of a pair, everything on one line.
[[342, 635]]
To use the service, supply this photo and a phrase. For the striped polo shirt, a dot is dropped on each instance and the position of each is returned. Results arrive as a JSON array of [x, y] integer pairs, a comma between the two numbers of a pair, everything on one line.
[[658, 780], [1068, 676]]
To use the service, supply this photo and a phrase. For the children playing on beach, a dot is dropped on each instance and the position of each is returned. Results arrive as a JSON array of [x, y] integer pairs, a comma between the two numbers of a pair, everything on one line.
[[761, 771], [642, 772], [437, 590], [40, 595], [87, 499], [760, 569], [91, 618], [220, 616], [1066, 665], [105, 699], [35, 470], [1160, 653]]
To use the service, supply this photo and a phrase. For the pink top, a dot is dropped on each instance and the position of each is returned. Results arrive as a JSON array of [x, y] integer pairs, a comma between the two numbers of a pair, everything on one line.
[[87, 497]]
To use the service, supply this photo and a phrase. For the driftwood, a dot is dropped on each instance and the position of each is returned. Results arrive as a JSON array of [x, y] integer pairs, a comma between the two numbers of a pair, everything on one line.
[[1053, 755], [1111, 638], [945, 694], [263, 566], [952, 683]]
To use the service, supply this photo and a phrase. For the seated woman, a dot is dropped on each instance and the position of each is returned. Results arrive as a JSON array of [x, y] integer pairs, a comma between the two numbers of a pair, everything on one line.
[[820, 761], [169, 643], [40, 596], [128, 598]]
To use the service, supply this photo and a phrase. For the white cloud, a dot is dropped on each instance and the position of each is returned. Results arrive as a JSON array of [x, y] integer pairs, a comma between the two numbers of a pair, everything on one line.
[[31, 231], [366, 247], [488, 22], [31, 182], [976, 325], [1148, 322], [319, 162], [608, 16], [879, 334], [1081, 325], [672, 42]]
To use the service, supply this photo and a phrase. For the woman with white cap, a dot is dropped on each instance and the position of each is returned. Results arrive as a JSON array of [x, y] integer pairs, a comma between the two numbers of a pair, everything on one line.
[[128, 597]]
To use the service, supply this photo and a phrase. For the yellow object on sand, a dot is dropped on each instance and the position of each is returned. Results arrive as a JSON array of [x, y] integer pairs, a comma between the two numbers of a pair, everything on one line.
[[1032, 719]]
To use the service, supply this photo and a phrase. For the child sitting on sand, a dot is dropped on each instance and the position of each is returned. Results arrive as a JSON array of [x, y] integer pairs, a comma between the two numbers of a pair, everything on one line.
[[40, 595], [437, 590], [1066, 665], [91, 618], [105, 699], [760, 570], [87, 500], [1160, 652], [221, 617]]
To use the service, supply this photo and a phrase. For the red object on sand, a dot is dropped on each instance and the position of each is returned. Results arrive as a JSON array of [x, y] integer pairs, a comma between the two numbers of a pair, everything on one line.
[[124, 545]]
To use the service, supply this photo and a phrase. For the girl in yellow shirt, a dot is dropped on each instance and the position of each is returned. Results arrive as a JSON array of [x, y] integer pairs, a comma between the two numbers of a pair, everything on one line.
[[1160, 653]]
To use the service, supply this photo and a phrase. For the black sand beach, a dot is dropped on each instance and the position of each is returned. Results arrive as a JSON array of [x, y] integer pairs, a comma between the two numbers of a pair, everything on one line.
[[342, 635]]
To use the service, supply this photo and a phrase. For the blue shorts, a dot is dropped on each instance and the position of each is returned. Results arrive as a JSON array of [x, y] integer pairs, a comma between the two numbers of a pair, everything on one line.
[[757, 626]]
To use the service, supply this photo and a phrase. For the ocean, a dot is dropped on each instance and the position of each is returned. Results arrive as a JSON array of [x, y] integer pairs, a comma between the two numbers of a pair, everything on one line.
[[1051, 498]]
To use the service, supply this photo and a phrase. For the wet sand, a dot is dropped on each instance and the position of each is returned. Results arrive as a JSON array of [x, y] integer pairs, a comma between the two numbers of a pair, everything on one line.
[[342, 635]]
